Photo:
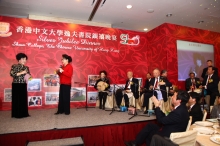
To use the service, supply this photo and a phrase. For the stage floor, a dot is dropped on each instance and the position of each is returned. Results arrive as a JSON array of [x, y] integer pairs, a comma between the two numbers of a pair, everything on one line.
[[46, 120]]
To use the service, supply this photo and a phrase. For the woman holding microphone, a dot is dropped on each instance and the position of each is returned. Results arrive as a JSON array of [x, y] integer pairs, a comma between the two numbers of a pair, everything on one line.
[[65, 73]]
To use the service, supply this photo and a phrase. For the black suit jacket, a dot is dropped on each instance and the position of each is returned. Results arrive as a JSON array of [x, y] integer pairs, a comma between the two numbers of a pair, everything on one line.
[[175, 121], [211, 86], [188, 83], [134, 87], [162, 87], [205, 71], [147, 84], [196, 113]]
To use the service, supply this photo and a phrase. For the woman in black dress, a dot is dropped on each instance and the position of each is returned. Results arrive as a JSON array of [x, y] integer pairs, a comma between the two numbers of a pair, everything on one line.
[[19, 72], [102, 94]]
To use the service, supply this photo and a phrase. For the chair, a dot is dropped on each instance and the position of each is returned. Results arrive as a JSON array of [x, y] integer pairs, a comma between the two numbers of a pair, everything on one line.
[[204, 115], [158, 140], [189, 123], [187, 138]]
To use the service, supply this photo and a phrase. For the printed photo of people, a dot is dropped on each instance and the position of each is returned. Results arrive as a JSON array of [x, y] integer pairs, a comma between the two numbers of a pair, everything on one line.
[[92, 97], [117, 86], [34, 100], [7, 95], [34, 85], [51, 80], [51, 97], [140, 81], [92, 79], [78, 94]]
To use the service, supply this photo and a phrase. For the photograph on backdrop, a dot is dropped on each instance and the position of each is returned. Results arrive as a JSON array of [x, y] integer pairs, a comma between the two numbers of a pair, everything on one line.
[[140, 80], [34, 101], [92, 79], [192, 57], [7, 95], [117, 86], [78, 94], [34, 85], [92, 97], [51, 97], [51, 80]]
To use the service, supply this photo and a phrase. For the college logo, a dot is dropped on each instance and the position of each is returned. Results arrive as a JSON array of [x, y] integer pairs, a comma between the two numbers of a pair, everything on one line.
[[129, 41], [4, 29]]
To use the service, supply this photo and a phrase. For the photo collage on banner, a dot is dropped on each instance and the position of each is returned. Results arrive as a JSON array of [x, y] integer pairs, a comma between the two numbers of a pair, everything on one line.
[[7, 95], [92, 97], [34, 101], [34, 85], [92, 80], [78, 94]]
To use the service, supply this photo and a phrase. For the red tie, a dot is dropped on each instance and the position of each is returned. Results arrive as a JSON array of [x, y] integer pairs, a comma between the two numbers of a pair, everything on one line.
[[156, 84]]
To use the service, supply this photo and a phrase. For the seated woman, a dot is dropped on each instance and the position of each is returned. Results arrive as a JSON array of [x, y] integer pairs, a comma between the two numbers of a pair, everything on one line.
[[215, 110]]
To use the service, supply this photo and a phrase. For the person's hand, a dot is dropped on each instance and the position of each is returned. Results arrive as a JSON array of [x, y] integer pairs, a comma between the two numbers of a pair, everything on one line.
[[151, 87], [155, 101], [162, 83], [128, 91], [200, 87], [23, 72], [61, 70]]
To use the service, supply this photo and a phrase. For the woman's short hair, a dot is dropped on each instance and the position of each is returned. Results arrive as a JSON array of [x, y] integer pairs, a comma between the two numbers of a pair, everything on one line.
[[103, 71], [163, 71], [183, 96], [67, 57], [21, 55]]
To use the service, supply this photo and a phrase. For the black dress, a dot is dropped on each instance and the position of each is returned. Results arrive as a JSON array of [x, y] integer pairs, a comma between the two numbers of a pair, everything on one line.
[[19, 103]]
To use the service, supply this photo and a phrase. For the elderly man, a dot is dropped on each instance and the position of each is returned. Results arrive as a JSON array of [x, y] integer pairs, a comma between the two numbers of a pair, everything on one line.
[[175, 121], [131, 89], [158, 86], [192, 82]]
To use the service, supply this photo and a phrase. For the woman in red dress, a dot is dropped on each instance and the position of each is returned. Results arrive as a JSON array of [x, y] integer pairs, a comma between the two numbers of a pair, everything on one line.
[[65, 73]]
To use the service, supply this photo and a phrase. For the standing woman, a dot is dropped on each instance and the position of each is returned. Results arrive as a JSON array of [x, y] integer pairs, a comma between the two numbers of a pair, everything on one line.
[[102, 85], [65, 73], [19, 72]]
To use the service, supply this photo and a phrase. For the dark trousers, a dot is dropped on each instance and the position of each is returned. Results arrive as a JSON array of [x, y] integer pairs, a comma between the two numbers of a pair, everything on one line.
[[102, 97], [19, 104], [64, 99], [119, 99], [146, 134], [147, 96], [212, 97]]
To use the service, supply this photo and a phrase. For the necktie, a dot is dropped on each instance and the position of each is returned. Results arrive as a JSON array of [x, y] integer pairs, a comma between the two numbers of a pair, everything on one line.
[[207, 80], [156, 84]]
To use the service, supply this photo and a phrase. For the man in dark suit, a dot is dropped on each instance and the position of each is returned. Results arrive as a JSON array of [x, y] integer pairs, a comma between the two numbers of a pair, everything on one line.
[[192, 82], [210, 84], [158, 86], [195, 108], [204, 72], [147, 84], [131, 89], [175, 121]]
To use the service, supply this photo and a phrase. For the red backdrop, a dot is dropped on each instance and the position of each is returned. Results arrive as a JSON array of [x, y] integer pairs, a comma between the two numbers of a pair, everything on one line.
[[92, 49]]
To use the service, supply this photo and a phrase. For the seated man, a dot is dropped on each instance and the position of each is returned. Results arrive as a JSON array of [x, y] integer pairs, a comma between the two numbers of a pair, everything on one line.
[[147, 84], [158, 86], [210, 84], [130, 90], [205, 70], [195, 109], [192, 82], [175, 121], [216, 110]]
